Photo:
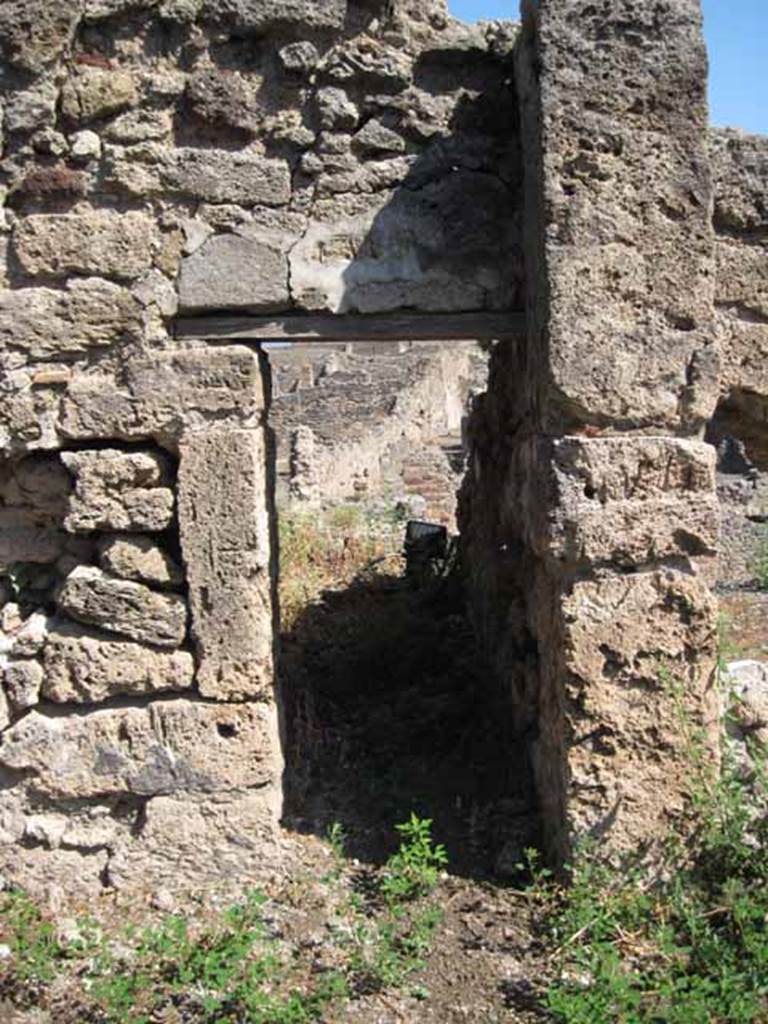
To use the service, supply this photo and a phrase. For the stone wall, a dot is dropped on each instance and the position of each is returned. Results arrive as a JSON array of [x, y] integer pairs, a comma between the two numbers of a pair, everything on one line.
[[162, 157], [740, 428], [268, 156]]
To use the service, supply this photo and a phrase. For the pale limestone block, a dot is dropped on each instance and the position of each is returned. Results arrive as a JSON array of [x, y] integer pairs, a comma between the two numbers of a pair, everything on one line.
[[115, 245], [171, 746], [225, 536], [92, 93]]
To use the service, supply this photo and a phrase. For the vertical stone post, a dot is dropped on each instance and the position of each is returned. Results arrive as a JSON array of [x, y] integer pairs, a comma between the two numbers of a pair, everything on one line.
[[605, 530]]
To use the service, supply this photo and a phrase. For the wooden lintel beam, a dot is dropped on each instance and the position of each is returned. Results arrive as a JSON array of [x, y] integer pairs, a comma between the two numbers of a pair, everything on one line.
[[330, 327]]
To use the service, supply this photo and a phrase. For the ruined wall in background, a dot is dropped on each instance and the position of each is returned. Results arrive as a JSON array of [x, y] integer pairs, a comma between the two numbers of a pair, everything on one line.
[[380, 426], [590, 508], [159, 157], [740, 428]]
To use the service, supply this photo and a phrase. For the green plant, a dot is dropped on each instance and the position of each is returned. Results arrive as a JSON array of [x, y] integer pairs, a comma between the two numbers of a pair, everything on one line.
[[30, 937], [414, 870], [686, 944]]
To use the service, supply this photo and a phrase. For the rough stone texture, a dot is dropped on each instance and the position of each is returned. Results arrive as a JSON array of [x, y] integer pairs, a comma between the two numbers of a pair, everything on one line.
[[748, 683], [163, 395], [117, 490], [623, 193], [225, 536], [248, 272], [171, 746], [41, 323], [111, 244], [139, 558], [626, 502], [623, 658], [81, 668], [23, 680], [34, 32], [740, 169], [257, 15], [131, 609], [93, 93], [591, 547]]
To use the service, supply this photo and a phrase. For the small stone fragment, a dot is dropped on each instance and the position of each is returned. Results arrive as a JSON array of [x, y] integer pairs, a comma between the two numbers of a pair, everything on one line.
[[93, 93], [81, 668], [23, 680], [748, 682], [336, 109], [85, 145], [130, 609], [139, 558], [29, 639], [300, 57], [374, 137]]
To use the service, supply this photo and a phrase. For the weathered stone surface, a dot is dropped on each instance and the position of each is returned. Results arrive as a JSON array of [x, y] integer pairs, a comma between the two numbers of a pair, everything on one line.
[[119, 245], [742, 277], [211, 175], [165, 394], [34, 32], [172, 746], [224, 97], [92, 93], [225, 537], [257, 15], [222, 177], [625, 501], [28, 640], [130, 609], [23, 679], [451, 245], [299, 57], [116, 490], [740, 170], [374, 137], [624, 658], [625, 204], [22, 541], [237, 831], [138, 558], [88, 314], [336, 109], [748, 683], [81, 668], [246, 271]]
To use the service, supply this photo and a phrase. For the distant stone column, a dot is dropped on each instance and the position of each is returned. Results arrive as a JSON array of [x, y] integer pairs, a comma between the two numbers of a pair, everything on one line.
[[591, 512]]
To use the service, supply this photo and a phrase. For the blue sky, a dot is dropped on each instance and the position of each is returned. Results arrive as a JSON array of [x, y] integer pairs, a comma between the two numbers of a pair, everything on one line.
[[737, 33]]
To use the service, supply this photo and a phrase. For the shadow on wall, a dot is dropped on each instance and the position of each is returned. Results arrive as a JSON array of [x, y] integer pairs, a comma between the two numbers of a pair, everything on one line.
[[448, 236]]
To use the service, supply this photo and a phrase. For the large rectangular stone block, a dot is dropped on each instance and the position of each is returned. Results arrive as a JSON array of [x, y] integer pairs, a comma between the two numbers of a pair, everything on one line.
[[622, 501], [172, 746], [621, 267], [225, 528], [119, 245], [628, 677], [162, 395]]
